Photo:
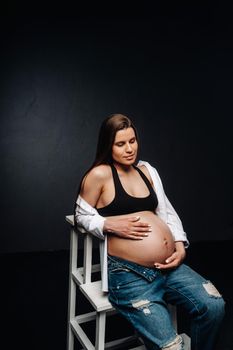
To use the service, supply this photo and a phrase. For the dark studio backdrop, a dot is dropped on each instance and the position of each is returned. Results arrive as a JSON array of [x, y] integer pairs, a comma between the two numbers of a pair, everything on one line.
[[61, 75]]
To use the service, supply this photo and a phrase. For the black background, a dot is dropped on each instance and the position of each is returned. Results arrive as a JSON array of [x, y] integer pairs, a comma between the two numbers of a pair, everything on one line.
[[64, 69]]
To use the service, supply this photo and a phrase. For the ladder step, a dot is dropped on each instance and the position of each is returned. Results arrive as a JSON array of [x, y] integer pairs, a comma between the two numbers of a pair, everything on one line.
[[97, 298]]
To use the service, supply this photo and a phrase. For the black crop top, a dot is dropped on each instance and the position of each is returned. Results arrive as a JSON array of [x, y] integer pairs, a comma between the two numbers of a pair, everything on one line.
[[123, 203]]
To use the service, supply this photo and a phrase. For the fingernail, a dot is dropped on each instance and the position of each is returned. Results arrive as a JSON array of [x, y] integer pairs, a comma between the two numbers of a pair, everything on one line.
[[167, 261]]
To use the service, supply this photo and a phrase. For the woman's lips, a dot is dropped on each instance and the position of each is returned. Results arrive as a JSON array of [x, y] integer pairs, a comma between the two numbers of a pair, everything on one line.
[[129, 157]]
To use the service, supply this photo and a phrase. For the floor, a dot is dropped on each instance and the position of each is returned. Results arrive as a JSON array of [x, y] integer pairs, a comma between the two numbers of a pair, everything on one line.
[[35, 294]]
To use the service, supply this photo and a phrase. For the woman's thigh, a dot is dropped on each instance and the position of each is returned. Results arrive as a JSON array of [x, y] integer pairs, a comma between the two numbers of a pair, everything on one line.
[[186, 287], [142, 303]]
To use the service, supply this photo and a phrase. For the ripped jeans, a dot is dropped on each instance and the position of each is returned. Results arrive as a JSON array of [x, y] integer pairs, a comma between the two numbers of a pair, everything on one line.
[[141, 295]]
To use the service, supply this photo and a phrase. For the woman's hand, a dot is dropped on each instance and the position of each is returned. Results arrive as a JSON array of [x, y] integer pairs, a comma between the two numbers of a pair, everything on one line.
[[175, 259], [127, 227]]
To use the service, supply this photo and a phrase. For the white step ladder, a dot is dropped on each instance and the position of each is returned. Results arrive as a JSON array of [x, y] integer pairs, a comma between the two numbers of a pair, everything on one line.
[[81, 277]]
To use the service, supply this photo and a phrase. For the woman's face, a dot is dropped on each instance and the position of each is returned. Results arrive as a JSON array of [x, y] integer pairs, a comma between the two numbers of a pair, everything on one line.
[[125, 147]]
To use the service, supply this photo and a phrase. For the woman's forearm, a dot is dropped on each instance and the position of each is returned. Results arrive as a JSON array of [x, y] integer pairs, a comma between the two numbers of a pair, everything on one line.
[[126, 226], [179, 246]]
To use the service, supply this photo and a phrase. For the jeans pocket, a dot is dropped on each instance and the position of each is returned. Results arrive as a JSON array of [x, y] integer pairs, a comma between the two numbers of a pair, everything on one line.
[[120, 276], [119, 269]]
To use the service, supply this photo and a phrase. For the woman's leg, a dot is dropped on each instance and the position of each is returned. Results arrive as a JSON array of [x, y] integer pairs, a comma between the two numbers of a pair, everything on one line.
[[141, 302], [203, 302]]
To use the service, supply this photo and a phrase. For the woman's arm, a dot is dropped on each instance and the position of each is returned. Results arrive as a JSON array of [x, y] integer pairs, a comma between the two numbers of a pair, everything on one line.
[[87, 216], [127, 227], [165, 210], [175, 259]]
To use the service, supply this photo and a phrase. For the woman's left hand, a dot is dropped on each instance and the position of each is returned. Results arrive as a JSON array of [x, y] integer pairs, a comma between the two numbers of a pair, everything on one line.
[[175, 259]]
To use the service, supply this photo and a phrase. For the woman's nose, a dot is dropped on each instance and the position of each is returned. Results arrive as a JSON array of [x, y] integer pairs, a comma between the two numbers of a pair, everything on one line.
[[128, 147]]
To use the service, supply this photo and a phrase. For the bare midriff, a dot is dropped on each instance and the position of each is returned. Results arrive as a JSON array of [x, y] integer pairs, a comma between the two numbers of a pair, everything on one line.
[[156, 247]]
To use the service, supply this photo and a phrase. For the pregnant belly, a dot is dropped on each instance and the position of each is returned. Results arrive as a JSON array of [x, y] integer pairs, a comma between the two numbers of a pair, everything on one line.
[[157, 247]]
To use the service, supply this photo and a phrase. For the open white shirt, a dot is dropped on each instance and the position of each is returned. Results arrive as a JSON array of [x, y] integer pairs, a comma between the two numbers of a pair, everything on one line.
[[88, 219]]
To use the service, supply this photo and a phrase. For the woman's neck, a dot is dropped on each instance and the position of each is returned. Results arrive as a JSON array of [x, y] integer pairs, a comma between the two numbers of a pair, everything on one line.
[[123, 168]]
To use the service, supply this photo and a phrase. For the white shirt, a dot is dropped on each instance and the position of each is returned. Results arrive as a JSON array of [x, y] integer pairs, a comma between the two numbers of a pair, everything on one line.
[[88, 219]]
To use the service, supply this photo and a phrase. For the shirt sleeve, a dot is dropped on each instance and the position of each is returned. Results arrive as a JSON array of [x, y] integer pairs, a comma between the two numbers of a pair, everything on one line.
[[175, 224], [165, 210], [172, 218], [88, 219]]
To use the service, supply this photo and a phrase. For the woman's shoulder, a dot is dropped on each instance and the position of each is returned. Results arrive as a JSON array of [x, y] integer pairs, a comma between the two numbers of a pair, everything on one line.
[[149, 170], [100, 172], [145, 170], [95, 179], [142, 164]]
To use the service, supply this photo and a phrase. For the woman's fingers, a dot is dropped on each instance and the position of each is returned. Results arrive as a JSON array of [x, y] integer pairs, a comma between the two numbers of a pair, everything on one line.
[[137, 220], [139, 234], [142, 229], [136, 237], [139, 226], [134, 218], [133, 228]]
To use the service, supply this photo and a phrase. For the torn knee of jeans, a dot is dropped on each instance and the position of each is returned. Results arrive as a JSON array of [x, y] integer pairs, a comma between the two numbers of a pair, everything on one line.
[[142, 305], [176, 344], [211, 289]]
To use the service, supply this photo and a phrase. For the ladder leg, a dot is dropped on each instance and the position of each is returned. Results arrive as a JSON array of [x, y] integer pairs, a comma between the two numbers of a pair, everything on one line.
[[72, 288], [72, 297], [100, 330]]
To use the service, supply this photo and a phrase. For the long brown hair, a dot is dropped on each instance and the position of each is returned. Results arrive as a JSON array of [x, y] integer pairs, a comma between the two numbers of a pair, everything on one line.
[[107, 133]]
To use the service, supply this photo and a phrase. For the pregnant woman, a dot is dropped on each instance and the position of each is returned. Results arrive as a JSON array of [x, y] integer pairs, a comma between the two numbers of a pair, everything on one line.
[[122, 201]]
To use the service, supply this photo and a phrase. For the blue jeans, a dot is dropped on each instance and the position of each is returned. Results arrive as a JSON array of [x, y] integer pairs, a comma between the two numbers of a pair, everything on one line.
[[141, 295]]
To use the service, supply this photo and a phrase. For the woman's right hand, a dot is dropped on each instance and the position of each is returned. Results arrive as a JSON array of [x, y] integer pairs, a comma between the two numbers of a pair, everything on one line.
[[127, 227]]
